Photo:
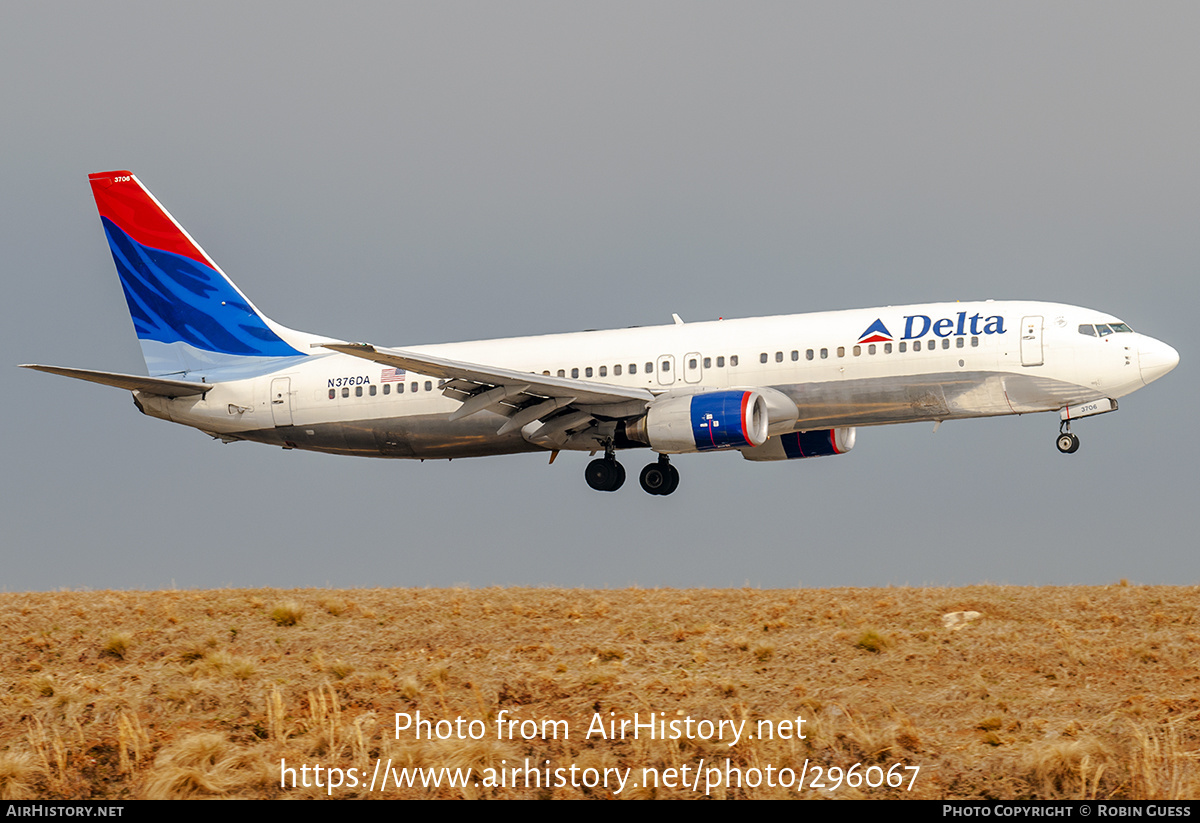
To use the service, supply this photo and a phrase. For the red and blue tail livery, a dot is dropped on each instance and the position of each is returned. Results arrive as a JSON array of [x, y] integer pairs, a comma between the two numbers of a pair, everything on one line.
[[189, 317]]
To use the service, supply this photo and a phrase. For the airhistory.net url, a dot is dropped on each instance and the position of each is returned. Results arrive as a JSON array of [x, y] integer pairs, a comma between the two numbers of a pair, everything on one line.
[[702, 778]]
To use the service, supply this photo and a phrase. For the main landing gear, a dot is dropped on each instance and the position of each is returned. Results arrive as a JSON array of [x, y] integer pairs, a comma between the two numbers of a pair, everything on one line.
[[661, 477], [605, 474], [1067, 443]]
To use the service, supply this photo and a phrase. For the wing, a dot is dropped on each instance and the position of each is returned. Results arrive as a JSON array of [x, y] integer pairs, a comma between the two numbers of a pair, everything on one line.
[[562, 404]]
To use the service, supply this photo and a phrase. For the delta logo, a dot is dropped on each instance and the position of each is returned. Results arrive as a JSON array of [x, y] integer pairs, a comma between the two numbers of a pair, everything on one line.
[[919, 325], [876, 333]]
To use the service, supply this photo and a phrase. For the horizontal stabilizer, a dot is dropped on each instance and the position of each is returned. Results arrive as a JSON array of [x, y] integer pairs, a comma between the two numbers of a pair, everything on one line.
[[133, 382]]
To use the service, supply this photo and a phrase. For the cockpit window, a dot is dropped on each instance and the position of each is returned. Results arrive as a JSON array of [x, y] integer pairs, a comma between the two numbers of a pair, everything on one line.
[[1121, 328], [1088, 329], [1103, 329]]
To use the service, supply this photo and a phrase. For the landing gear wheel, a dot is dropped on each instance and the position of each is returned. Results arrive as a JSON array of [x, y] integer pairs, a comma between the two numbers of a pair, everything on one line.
[[672, 480], [605, 475], [653, 479], [660, 478], [1068, 443]]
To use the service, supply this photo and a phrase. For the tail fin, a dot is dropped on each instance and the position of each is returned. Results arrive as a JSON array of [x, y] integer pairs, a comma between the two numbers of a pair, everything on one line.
[[188, 315]]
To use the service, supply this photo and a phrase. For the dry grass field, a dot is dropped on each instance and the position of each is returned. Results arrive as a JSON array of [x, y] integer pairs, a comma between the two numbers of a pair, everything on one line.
[[1050, 693]]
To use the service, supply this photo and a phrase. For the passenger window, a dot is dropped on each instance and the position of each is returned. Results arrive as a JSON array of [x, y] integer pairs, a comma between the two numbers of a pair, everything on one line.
[[762, 358], [371, 391], [721, 362], [778, 357], [633, 368], [708, 362], [666, 365], [733, 360], [841, 351], [562, 373], [795, 355], [587, 372], [871, 348], [824, 354], [887, 348], [903, 347], [808, 355], [604, 371], [916, 345], [345, 392], [974, 342], [649, 368], [692, 363], [959, 342], [399, 388], [428, 385], [945, 342], [617, 370], [857, 351], [358, 391], [546, 372], [387, 388], [332, 393]]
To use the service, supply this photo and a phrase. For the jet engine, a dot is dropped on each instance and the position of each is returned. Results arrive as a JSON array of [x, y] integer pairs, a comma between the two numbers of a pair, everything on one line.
[[797, 445], [707, 421]]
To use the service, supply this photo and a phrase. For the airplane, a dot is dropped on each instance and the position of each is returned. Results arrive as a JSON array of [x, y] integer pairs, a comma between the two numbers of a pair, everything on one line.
[[773, 388]]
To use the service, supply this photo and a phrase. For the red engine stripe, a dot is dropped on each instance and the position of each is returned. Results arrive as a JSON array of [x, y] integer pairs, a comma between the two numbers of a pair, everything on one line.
[[745, 422]]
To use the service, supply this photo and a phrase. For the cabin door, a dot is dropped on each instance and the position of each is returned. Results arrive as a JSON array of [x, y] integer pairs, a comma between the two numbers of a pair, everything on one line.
[[1031, 341], [666, 369], [281, 401]]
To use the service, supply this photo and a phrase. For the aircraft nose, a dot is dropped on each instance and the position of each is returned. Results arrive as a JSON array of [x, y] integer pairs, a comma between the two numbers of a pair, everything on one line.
[[1156, 358]]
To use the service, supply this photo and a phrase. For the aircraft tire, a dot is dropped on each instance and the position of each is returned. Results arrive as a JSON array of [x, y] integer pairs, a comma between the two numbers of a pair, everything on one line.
[[619, 478], [1068, 443], [605, 475], [654, 479], [672, 481], [599, 475]]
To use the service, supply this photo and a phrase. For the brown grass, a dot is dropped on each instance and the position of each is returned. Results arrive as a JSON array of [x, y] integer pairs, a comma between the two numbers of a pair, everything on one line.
[[1053, 693]]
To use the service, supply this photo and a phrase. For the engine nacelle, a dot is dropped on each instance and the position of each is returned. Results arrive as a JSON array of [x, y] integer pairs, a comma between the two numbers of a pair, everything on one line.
[[703, 422], [796, 445]]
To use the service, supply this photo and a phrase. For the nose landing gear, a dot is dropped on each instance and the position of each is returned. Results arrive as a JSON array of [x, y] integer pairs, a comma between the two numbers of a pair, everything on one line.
[[1067, 443]]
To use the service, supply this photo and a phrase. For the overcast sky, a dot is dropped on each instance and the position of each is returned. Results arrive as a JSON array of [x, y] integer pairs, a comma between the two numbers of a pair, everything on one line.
[[417, 173]]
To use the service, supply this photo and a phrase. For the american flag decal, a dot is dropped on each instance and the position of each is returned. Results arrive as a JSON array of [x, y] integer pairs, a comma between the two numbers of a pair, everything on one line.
[[391, 376]]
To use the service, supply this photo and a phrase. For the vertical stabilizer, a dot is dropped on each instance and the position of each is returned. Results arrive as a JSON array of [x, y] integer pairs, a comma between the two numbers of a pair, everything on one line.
[[188, 315]]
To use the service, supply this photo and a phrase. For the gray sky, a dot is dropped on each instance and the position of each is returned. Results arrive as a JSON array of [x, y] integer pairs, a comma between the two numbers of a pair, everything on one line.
[[417, 173]]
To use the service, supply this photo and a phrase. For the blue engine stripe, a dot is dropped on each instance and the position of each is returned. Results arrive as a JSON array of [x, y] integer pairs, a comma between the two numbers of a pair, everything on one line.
[[717, 420]]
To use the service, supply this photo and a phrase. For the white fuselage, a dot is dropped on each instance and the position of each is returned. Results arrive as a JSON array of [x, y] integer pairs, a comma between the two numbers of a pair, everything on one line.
[[926, 362]]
